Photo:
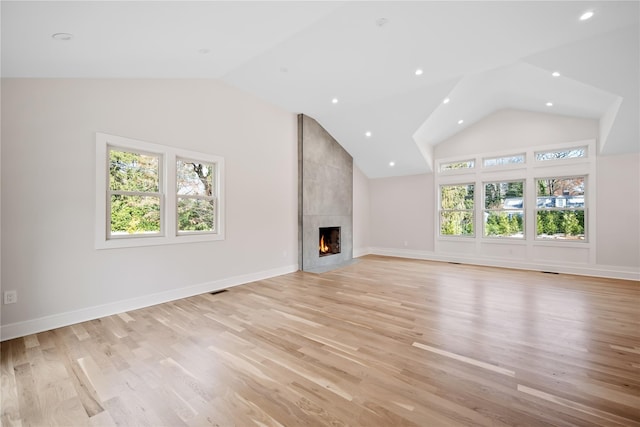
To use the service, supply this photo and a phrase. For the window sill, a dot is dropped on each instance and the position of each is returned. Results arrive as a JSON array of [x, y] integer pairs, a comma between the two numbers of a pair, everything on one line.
[[133, 242]]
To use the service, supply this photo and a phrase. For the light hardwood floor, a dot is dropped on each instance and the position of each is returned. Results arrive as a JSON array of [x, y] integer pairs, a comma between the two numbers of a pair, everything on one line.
[[383, 342]]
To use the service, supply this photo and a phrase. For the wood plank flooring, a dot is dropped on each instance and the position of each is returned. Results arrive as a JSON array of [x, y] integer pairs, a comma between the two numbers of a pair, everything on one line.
[[383, 342]]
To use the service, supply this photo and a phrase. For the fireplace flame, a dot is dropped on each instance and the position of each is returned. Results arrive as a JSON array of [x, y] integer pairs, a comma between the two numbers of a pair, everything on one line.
[[323, 247]]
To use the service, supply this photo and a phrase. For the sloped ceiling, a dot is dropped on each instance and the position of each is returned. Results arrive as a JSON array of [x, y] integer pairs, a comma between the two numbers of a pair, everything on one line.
[[482, 56]]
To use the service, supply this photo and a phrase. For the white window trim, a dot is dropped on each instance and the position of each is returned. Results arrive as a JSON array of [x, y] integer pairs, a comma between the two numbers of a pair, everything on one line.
[[168, 220], [528, 171]]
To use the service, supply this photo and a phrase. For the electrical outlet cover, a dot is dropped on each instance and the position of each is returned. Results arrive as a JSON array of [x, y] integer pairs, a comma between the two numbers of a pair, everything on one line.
[[10, 297]]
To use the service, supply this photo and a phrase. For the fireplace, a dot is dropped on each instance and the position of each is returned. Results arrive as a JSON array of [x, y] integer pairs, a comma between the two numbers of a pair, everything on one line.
[[329, 241], [325, 199]]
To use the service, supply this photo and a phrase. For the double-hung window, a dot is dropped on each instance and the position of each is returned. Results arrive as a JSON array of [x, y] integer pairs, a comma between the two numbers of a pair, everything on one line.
[[457, 210], [150, 194], [560, 208], [504, 209], [134, 198], [195, 196]]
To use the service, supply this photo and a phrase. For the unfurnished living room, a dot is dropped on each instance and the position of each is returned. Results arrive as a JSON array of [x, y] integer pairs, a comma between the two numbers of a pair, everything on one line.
[[319, 213]]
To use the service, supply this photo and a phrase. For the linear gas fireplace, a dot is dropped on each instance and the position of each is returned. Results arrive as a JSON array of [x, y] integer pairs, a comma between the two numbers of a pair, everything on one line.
[[329, 241]]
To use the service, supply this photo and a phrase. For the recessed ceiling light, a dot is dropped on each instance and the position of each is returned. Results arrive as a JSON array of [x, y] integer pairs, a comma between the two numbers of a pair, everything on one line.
[[587, 15], [555, 74], [367, 134], [419, 72], [446, 101], [549, 104], [460, 121], [392, 164], [62, 36], [334, 101]]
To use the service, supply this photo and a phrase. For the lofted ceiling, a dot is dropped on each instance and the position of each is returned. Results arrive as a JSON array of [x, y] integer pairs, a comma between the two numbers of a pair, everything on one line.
[[482, 56]]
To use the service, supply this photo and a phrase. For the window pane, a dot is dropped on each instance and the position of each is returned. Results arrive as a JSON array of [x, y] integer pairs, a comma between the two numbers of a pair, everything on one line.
[[504, 223], [560, 192], [466, 164], [570, 153], [500, 161], [195, 214], [456, 223], [194, 178], [130, 171], [503, 195], [134, 214], [457, 196], [563, 224]]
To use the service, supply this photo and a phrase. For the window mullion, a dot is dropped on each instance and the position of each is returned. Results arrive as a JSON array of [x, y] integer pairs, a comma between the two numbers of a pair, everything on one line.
[[170, 194]]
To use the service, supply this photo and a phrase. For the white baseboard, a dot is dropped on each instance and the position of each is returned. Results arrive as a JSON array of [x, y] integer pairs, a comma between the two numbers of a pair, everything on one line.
[[596, 270], [27, 327], [358, 252]]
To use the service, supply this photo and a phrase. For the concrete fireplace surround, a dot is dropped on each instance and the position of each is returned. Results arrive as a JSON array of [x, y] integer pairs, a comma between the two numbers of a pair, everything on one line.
[[325, 195]]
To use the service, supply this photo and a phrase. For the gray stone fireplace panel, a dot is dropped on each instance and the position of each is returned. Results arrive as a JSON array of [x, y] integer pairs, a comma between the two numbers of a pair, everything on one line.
[[325, 191]]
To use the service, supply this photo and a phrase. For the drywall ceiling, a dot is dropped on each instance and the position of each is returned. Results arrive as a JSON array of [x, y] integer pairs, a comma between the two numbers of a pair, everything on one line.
[[300, 55]]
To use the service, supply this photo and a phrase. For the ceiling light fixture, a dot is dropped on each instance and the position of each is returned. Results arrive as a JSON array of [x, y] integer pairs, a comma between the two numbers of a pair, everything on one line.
[[446, 101], [555, 74], [587, 15], [62, 36], [334, 101], [460, 121], [367, 134], [549, 104], [419, 72], [392, 164]]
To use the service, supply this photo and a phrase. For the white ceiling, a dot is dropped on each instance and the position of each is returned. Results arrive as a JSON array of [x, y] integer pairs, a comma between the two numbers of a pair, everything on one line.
[[484, 56]]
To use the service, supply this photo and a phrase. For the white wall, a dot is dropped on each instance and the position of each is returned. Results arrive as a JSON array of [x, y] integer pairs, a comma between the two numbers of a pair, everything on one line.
[[48, 198], [361, 213], [618, 221], [403, 208], [507, 129], [402, 212]]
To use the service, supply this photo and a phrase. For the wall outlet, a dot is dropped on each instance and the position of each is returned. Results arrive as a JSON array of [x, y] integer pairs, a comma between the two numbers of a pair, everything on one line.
[[10, 297]]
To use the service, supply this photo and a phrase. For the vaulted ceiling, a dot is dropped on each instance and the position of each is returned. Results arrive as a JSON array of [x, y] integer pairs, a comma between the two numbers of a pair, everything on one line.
[[353, 65]]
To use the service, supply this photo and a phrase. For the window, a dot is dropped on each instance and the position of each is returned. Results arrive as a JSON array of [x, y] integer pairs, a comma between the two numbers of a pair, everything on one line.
[[560, 208], [195, 195], [134, 196], [535, 197], [456, 210], [503, 161], [504, 209], [570, 153], [135, 205], [464, 164]]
